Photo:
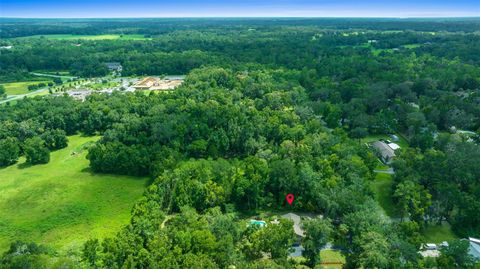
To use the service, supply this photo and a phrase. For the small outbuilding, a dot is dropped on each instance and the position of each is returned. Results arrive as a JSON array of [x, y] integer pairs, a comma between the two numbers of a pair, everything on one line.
[[429, 250], [474, 248], [394, 137]]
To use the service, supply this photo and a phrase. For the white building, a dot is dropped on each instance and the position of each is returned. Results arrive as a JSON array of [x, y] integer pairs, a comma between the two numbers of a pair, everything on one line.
[[474, 248]]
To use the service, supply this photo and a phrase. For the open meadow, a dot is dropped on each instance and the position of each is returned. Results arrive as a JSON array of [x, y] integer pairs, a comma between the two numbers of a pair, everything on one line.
[[15, 88], [62, 203], [91, 37]]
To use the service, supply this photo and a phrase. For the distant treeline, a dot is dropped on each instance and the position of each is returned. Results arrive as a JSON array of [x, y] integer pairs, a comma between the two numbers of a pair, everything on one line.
[[180, 51], [26, 27]]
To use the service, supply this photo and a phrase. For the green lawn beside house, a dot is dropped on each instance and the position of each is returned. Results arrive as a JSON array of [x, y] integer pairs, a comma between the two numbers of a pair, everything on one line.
[[439, 233], [382, 186], [332, 259]]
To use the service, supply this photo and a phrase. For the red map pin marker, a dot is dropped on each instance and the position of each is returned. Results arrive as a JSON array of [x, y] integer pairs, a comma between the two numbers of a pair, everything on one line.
[[290, 198]]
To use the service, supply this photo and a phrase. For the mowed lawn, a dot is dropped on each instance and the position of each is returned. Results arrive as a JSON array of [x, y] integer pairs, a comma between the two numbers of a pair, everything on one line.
[[332, 259], [382, 188], [439, 233], [15, 88], [91, 37], [62, 203]]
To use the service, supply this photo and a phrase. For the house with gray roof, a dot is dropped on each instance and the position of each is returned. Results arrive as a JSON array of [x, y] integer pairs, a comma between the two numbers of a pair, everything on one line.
[[114, 66], [386, 152]]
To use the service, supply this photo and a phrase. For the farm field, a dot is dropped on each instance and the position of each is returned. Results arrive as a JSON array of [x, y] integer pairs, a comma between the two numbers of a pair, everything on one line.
[[15, 88], [62, 203], [91, 37]]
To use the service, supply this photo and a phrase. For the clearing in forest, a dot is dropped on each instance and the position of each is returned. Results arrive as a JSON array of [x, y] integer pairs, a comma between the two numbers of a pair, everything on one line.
[[91, 37], [15, 88], [62, 203]]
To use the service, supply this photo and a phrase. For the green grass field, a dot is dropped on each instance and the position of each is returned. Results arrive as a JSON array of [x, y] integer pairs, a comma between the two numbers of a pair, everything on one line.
[[332, 259], [377, 51], [100, 86], [91, 37], [382, 189], [62, 203], [14, 88], [412, 46], [439, 233]]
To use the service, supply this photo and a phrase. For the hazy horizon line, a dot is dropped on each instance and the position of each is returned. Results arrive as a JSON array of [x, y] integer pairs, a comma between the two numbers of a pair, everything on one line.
[[256, 17]]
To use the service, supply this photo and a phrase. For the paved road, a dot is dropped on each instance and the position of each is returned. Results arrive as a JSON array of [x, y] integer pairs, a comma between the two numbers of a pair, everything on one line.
[[50, 75], [20, 96]]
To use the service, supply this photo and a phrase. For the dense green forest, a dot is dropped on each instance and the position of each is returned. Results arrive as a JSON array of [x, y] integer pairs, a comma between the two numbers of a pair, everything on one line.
[[268, 107]]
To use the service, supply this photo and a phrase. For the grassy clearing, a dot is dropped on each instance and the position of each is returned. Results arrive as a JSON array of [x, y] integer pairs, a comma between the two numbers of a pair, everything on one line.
[[382, 189], [439, 233], [332, 259], [381, 166], [62, 203], [91, 37], [100, 86], [377, 51], [15, 88], [412, 46]]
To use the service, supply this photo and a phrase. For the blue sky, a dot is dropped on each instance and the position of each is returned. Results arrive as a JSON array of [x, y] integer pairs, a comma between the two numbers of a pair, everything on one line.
[[244, 8]]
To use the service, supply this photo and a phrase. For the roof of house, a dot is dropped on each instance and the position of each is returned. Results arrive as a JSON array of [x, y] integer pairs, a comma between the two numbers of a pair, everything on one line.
[[474, 249], [113, 65], [393, 146], [146, 82], [384, 149], [297, 251], [154, 83]]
